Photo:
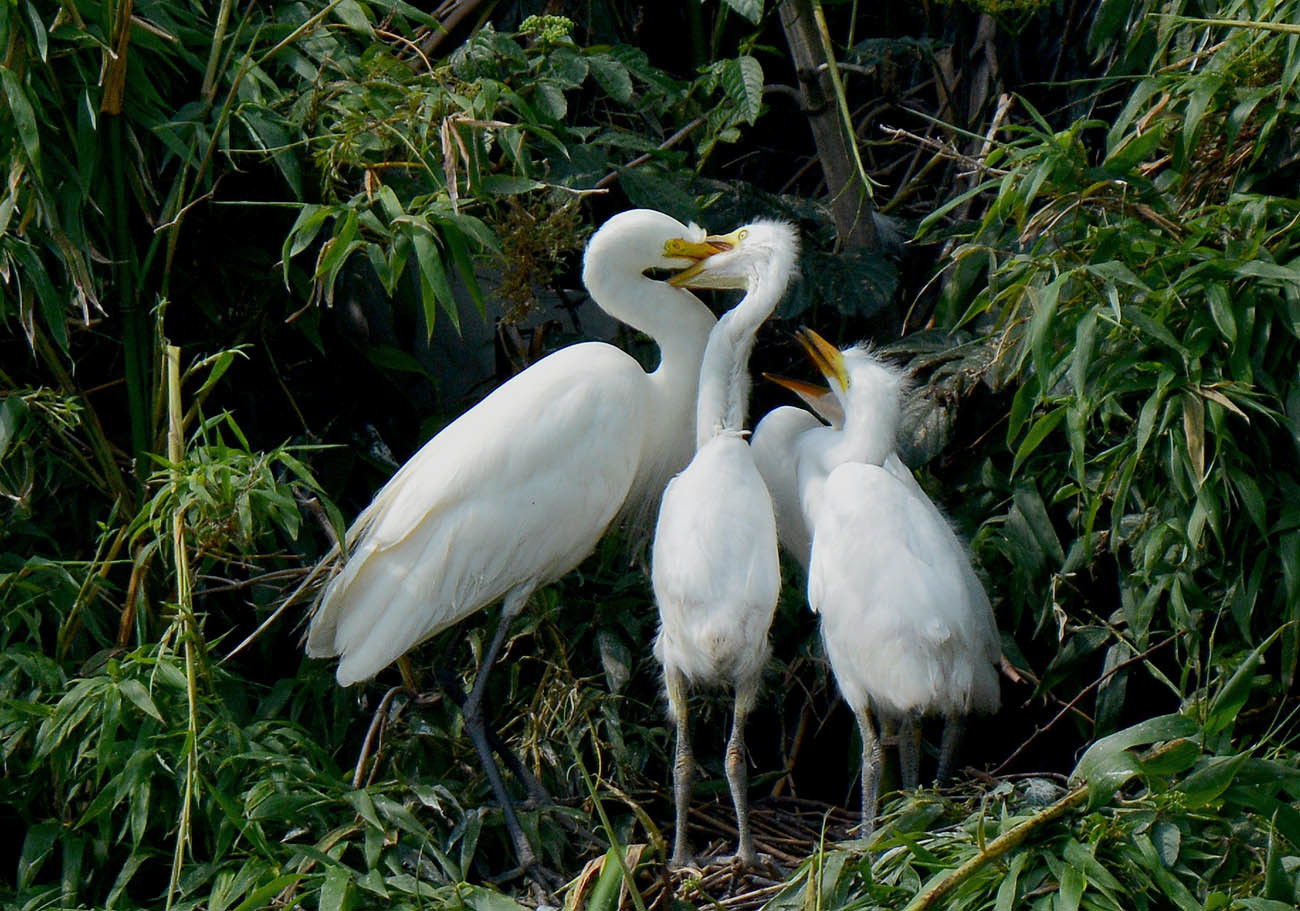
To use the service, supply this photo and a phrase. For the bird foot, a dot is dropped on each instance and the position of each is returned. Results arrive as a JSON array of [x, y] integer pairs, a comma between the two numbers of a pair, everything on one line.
[[685, 865]]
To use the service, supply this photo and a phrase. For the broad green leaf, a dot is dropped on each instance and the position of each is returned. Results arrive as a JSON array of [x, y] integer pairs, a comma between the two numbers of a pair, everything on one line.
[[1194, 432], [1168, 840], [334, 891], [37, 845], [1006, 897], [742, 80], [1107, 764], [1204, 786], [749, 9], [262, 895], [353, 15], [612, 76], [1030, 502], [508, 185]]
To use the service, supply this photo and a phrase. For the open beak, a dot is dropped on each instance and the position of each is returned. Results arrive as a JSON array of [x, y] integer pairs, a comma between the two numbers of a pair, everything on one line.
[[809, 392], [825, 356], [818, 398], [700, 252]]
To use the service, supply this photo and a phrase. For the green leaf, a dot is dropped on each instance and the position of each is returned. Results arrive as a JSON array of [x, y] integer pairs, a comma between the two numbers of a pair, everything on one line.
[[262, 895], [353, 15], [750, 9], [434, 287], [12, 412], [1221, 311], [24, 116], [1030, 503], [1107, 764], [1073, 883], [1107, 23], [37, 846], [334, 891], [1040, 431], [604, 896], [612, 76], [1168, 840], [135, 691], [1043, 324], [1006, 898], [742, 80], [1228, 701], [1204, 786], [508, 185]]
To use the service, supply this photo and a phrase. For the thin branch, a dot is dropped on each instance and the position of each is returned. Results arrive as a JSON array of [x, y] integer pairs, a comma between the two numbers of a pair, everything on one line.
[[663, 146], [1069, 706]]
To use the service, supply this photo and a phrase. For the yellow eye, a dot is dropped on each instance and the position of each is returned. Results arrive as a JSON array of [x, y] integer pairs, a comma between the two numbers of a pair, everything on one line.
[[744, 232]]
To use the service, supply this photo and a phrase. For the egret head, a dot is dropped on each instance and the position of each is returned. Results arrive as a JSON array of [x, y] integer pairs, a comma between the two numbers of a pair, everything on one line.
[[859, 379], [643, 239], [743, 257]]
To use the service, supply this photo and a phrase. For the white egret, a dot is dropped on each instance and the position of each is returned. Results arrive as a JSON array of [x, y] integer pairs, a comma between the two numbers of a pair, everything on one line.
[[517, 491], [715, 569], [907, 626]]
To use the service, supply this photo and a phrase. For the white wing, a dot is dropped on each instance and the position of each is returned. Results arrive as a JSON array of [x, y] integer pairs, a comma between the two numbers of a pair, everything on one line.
[[511, 495], [899, 619]]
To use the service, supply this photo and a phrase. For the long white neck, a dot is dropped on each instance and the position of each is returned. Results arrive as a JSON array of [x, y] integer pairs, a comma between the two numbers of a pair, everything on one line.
[[871, 423], [724, 375], [673, 317], [680, 324]]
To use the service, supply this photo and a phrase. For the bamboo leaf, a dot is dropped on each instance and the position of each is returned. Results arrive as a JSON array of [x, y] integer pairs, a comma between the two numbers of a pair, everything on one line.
[[20, 108]]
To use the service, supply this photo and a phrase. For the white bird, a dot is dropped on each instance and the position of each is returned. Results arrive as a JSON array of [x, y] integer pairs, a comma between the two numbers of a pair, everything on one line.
[[906, 623], [773, 445], [715, 569], [517, 491]]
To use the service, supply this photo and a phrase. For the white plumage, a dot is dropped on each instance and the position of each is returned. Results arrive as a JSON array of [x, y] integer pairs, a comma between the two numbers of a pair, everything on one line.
[[907, 625], [772, 446], [715, 568], [517, 491]]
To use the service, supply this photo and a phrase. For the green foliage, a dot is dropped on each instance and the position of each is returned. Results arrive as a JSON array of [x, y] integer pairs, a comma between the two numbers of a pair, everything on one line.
[[1138, 280], [408, 150], [1188, 831]]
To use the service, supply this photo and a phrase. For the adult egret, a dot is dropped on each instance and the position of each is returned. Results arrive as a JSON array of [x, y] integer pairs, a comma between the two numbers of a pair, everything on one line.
[[715, 569], [907, 626], [517, 491]]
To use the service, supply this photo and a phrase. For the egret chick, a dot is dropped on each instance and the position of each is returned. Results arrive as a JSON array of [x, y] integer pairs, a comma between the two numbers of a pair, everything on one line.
[[715, 569], [907, 626], [517, 491]]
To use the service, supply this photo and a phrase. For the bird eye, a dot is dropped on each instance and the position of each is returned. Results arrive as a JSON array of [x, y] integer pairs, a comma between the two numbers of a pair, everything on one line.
[[744, 232]]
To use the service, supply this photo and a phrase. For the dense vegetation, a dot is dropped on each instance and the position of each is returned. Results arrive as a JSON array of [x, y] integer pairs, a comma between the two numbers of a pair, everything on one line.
[[252, 255]]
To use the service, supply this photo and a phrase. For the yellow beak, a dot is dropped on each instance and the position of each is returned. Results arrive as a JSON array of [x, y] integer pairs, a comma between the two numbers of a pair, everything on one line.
[[825, 356], [809, 392], [700, 252]]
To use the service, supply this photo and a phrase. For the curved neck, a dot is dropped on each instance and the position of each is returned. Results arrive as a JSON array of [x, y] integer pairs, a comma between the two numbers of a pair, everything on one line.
[[870, 426], [724, 373], [678, 321]]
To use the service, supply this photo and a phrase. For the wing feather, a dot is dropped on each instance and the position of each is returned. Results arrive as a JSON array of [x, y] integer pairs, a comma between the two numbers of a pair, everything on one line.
[[512, 494]]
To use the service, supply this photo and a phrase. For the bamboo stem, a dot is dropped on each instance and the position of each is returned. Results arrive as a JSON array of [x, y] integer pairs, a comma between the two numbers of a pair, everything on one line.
[[184, 614]]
